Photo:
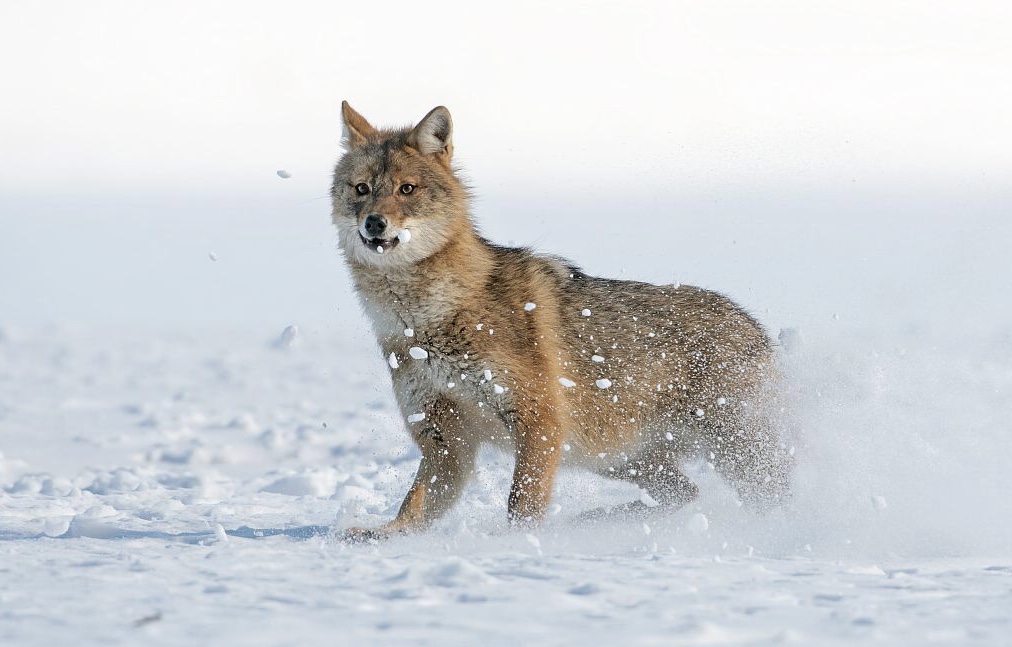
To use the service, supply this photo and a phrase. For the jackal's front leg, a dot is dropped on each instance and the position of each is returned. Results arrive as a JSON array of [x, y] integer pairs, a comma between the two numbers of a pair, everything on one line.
[[538, 452], [448, 450]]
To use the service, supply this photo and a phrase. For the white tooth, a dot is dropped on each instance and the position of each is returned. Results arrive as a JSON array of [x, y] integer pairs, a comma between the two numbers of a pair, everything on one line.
[[379, 248]]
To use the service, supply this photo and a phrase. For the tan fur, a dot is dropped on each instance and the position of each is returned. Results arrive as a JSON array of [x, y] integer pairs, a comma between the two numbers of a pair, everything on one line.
[[689, 371]]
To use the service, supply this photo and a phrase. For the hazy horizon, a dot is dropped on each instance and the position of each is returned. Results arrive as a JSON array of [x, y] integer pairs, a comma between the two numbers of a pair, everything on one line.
[[141, 139]]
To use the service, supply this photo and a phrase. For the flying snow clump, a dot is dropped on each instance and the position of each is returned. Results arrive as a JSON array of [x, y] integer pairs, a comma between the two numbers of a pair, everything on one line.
[[287, 337], [418, 353]]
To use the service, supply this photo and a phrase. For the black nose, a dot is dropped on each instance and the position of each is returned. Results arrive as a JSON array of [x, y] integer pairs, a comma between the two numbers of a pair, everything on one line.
[[375, 225]]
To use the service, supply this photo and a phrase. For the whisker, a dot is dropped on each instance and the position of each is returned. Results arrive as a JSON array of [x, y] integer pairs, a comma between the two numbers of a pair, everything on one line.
[[326, 195]]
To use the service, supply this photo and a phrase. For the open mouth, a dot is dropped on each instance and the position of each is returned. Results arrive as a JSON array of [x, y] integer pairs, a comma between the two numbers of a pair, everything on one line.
[[379, 245]]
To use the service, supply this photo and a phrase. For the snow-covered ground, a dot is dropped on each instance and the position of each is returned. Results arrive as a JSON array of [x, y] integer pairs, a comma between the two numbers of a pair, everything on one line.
[[181, 488]]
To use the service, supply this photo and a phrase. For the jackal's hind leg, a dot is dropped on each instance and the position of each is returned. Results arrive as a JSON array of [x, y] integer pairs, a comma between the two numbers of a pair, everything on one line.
[[748, 452], [660, 477]]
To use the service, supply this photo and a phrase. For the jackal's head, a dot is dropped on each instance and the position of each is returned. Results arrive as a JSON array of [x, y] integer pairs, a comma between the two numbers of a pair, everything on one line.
[[396, 199]]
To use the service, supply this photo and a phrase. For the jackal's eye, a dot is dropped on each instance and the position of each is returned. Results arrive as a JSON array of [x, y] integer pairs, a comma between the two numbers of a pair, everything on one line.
[[407, 189], [362, 188]]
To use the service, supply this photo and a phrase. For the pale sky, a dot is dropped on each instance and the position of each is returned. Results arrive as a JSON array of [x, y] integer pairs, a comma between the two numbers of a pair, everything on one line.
[[147, 95]]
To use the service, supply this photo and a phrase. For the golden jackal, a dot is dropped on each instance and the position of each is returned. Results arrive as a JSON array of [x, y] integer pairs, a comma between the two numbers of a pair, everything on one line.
[[497, 344]]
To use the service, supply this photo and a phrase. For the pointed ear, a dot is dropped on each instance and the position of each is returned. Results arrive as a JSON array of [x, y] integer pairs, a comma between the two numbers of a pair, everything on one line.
[[432, 135], [356, 129]]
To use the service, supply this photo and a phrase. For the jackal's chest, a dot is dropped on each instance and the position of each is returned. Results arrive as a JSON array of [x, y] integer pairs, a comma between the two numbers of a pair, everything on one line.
[[425, 366], [434, 347]]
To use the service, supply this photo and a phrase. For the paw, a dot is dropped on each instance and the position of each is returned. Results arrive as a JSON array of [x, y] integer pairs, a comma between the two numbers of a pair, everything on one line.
[[632, 509], [524, 522], [363, 535]]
